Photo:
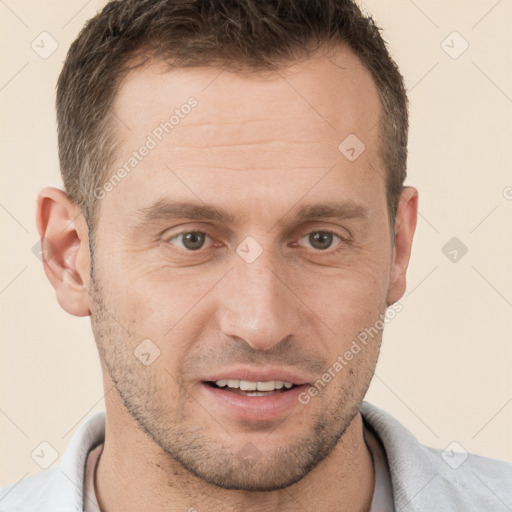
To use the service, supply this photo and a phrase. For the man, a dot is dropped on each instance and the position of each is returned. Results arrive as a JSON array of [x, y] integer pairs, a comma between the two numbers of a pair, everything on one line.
[[234, 220]]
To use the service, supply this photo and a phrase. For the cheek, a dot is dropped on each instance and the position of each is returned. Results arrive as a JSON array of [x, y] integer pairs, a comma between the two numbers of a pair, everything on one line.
[[172, 313], [170, 294], [346, 298]]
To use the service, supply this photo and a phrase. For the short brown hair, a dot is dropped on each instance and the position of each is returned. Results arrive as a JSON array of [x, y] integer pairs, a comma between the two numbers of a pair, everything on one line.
[[239, 35]]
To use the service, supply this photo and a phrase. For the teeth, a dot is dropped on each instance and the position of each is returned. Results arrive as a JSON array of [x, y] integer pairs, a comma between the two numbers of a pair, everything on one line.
[[246, 385], [264, 386]]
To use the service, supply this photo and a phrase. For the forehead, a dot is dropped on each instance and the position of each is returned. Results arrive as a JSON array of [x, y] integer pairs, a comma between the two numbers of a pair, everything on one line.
[[333, 91], [248, 134]]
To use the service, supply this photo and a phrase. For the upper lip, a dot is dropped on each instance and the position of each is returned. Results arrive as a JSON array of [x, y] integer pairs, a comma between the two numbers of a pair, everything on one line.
[[255, 375]]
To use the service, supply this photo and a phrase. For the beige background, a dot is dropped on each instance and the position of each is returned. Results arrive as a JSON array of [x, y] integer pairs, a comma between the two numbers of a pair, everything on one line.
[[445, 366]]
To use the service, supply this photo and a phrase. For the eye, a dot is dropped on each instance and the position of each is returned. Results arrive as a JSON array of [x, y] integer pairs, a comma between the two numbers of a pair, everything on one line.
[[321, 240], [190, 240]]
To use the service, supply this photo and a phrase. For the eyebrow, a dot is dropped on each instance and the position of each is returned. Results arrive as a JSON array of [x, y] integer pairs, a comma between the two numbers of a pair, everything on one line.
[[164, 210]]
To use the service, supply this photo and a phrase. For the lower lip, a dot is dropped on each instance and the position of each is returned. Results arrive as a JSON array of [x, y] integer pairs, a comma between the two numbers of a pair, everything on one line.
[[254, 408]]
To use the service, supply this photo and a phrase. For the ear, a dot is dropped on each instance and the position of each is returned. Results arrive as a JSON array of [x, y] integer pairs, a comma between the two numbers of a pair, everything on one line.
[[405, 226], [65, 249]]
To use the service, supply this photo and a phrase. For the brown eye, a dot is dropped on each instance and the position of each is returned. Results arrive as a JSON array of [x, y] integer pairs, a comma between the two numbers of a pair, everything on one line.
[[190, 240], [321, 240]]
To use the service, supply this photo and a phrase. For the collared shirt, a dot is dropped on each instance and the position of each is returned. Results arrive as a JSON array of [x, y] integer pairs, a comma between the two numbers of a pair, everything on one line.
[[383, 490], [90, 500]]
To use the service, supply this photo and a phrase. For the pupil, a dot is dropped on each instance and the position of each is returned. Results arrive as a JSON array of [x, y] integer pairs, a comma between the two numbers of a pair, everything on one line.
[[320, 239], [193, 240]]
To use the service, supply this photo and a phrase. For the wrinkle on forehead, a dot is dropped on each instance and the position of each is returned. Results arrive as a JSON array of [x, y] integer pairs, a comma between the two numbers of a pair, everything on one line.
[[334, 93]]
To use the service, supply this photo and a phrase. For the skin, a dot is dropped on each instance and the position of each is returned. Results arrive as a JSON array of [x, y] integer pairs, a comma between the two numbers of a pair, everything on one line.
[[258, 149]]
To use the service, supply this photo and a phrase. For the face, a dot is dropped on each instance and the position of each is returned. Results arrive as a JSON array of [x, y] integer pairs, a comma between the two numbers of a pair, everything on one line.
[[243, 246]]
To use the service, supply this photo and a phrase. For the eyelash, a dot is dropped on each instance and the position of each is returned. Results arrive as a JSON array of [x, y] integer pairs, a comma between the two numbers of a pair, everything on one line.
[[339, 247]]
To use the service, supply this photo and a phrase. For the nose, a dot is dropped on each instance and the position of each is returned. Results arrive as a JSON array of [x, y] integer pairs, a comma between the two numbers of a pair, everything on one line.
[[256, 303]]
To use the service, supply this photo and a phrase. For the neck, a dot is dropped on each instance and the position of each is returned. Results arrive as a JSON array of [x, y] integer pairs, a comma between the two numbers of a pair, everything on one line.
[[143, 477]]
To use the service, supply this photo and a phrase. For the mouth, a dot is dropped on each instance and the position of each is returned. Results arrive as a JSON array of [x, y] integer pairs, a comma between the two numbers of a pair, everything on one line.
[[253, 401], [251, 388]]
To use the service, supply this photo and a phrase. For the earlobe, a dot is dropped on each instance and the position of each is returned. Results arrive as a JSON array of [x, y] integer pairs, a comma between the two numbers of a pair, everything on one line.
[[405, 226], [65, 249]]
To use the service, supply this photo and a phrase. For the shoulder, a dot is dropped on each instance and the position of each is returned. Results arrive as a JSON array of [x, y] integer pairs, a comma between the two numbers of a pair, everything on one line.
[[29, 492], [426, 478], [59, 488], [480, 483]]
